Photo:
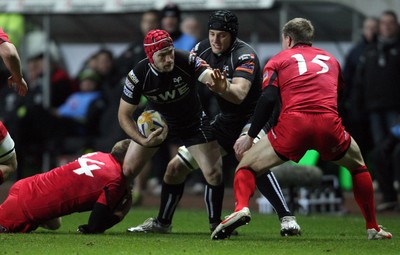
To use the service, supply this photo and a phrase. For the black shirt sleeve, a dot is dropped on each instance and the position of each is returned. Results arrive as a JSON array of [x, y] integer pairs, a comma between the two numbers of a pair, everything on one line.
[[100, 219], [133, 84], [264, 109]]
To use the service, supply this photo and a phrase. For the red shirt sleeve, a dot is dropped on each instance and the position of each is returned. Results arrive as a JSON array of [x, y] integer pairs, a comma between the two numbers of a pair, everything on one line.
[[270, 76], [3, 36]]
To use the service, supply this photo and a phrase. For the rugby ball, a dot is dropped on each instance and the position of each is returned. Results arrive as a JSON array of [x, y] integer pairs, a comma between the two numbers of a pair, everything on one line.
[[150, 121]]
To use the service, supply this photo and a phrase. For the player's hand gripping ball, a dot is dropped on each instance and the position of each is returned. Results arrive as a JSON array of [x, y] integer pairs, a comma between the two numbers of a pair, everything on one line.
[[150, 121]]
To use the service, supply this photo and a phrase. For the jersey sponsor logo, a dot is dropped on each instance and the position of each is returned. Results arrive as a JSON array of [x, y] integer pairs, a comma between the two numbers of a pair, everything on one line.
[[128, 92], [177, 80], [246, 57], [170, 95], [133, 77], [246, 67], [129, 84], [87, 169]]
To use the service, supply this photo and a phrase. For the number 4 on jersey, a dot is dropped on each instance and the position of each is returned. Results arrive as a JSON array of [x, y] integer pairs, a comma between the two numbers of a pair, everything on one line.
[[87, 169]]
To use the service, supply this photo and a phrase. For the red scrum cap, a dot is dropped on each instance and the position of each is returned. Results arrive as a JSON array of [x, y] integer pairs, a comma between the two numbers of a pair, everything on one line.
[[156, 40]]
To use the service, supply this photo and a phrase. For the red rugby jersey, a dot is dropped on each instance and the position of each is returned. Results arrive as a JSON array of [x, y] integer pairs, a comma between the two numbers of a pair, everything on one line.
[[74, 187], [308, 79]]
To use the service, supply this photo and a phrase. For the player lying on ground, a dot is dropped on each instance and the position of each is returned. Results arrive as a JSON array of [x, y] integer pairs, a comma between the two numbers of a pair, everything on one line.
[[92, 182]]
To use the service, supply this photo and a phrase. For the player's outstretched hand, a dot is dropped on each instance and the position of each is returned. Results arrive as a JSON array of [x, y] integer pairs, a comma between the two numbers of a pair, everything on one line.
[[19, 85], [220, 83]]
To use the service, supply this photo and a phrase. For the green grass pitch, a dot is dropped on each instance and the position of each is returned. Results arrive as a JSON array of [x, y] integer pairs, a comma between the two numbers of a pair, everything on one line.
[[322, 234]]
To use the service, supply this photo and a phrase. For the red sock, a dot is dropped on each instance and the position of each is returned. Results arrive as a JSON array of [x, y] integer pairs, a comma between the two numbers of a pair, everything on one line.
[[364, 195], [244, 186]]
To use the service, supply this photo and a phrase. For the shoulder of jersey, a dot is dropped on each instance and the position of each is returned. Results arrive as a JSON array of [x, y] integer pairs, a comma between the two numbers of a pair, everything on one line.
[[141, 65], [181, 57], [201, 46]]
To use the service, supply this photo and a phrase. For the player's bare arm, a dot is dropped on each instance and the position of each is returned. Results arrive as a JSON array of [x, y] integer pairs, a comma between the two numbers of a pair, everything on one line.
[[13, 63], [238, 90], [234, 92]]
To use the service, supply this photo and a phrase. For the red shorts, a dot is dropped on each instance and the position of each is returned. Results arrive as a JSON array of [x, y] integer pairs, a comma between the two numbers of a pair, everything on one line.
[[296, 133], [12, 216]]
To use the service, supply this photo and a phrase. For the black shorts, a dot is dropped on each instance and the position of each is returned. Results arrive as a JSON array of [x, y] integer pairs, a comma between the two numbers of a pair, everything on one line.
[[227, 132], [197, 131]]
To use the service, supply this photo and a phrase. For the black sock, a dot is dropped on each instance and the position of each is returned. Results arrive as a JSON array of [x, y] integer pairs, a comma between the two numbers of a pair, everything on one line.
[[270, 188], [213, 197], [170, 197]]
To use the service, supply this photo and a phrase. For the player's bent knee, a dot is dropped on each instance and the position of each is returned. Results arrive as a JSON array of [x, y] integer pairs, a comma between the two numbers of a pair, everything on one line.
[[131, 170], [213, 177], [176, 172]]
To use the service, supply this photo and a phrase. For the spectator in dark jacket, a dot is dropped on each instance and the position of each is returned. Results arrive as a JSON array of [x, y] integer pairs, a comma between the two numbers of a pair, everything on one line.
[[353, 115], [379, 77], [378, 90]]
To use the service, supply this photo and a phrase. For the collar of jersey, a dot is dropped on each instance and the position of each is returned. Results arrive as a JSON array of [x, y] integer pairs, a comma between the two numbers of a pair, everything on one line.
[[153, 70]]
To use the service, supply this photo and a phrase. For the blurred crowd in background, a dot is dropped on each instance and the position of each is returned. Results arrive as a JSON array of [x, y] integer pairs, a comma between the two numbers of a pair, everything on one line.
[[81, 112]]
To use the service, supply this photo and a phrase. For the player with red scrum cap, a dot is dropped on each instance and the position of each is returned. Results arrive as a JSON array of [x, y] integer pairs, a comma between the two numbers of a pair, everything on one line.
[[167, 78]]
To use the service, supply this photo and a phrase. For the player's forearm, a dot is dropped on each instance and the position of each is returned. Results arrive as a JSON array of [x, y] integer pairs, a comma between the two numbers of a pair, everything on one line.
[[124, 206], [127, 123], [11, 60], [263, 111], [234, 93], [129, 126], [100, 220], [15, 68]]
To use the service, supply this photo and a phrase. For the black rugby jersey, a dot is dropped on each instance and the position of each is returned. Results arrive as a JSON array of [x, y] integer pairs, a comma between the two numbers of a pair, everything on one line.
[[173, 94], [240, 61]]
